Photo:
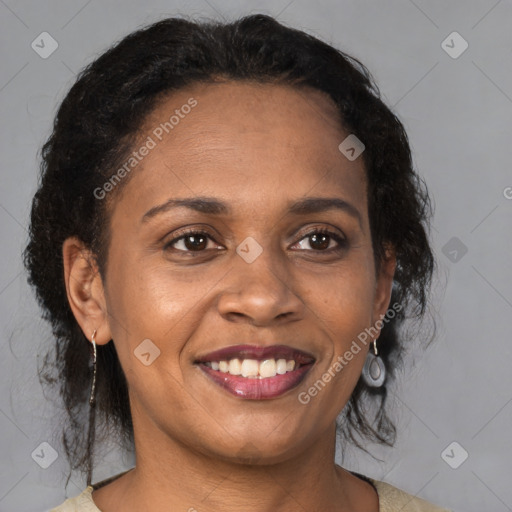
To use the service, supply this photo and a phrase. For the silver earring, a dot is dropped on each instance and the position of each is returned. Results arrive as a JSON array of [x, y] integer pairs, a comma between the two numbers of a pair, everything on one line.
[[92, 411], [374, 371]]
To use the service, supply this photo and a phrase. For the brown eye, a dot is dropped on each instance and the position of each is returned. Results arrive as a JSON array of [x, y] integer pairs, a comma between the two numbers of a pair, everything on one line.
[[321, 240], [195, 242], [192, 241]]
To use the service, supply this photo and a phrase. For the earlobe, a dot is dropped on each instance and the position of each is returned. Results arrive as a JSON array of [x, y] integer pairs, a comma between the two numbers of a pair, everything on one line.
[[85, 292]]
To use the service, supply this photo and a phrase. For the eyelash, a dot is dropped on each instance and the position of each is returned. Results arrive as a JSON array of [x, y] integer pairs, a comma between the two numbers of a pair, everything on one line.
[[342, 242]]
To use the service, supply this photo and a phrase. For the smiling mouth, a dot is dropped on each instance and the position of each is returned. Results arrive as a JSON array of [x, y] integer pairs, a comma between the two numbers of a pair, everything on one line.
[[256, 373]]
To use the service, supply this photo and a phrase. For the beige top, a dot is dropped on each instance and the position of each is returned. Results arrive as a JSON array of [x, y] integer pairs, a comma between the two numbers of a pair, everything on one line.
[[391, 499]]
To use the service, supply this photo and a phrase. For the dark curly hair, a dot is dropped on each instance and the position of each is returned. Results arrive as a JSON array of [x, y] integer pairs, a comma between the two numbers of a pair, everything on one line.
[[96, 127]]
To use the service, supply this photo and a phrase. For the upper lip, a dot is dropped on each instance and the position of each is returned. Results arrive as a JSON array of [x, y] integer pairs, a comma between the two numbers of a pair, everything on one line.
[[257, 352]]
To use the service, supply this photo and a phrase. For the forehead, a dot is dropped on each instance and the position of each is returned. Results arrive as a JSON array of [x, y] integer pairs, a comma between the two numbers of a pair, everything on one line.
[[230, 98], [247, 115], [259, 138]]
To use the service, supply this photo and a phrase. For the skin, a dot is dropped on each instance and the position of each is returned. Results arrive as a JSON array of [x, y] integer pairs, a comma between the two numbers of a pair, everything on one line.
[[258, 148]]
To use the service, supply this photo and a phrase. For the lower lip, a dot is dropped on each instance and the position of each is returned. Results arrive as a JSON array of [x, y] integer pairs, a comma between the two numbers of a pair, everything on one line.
[[257, 389]]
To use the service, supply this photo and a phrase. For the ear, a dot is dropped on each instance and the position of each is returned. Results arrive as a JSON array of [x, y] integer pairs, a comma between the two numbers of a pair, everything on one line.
[[384, 284], [85, 290]]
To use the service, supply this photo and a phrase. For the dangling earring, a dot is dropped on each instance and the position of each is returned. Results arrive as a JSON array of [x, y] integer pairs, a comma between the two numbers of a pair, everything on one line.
[[374, 371], [92, 411], [92, 398]]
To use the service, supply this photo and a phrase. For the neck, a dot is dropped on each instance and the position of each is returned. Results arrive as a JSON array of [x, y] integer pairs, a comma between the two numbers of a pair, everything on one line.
[[170, 476]]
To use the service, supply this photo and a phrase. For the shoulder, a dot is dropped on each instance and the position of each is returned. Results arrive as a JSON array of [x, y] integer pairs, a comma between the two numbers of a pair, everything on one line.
[[392, 498], [84, 502], [81, 503]]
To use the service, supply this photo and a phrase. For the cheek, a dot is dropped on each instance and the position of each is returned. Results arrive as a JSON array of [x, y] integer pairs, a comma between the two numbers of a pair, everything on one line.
[[343, 300], [150, 318], [142, 307], [344, 305], [148, 300]]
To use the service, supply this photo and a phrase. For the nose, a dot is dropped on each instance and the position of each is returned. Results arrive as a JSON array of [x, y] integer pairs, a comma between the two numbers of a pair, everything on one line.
[[260, 293]]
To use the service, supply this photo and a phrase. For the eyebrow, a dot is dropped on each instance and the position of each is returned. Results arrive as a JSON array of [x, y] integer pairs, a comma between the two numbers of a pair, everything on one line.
[[213, 206]]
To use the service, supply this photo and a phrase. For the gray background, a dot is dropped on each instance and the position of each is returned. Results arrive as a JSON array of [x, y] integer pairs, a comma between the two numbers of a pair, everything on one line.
[[457, 113]]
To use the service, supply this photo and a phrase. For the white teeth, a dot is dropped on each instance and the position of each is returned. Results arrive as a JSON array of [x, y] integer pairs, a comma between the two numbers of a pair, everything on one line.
[[252, 368], [235, 367], [268, 368], [281, 366]]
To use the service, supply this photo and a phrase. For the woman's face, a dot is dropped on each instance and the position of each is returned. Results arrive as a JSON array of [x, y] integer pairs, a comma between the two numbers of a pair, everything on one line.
[[261, 271]]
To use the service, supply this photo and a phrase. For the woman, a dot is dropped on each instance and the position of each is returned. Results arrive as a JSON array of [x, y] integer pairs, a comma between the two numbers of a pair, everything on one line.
[[227, 234]]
